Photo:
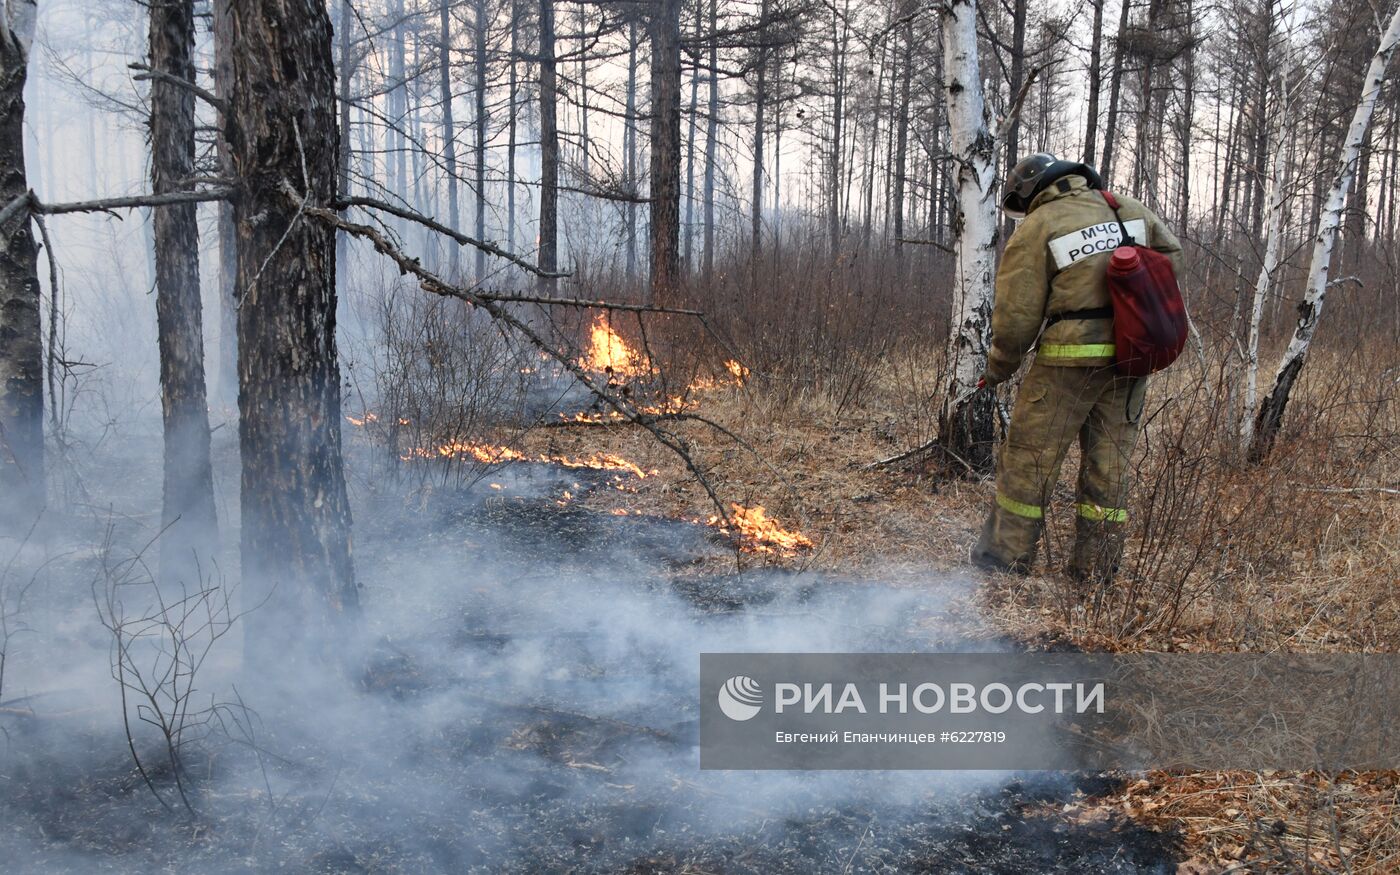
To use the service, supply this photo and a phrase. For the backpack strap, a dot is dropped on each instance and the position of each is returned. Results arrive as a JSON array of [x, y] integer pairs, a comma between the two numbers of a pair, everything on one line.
[[1122, 229]]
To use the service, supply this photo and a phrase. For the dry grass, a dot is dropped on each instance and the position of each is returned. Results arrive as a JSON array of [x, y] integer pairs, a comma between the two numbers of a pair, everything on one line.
[[1301, 554]]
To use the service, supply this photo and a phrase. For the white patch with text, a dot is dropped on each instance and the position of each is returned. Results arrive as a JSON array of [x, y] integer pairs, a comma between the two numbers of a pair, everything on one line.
[[1103, 237]]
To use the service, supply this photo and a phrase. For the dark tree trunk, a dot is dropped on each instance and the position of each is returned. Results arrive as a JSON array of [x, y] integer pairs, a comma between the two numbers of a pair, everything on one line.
[[1091, 121], [549, 145], [901, 137], [479, 25], [711, 143], [511, 108], [629, 149], [1018, 75], [187, 518], [690, 146], [1115, 85], [449, 128], [228, 238], [760, 106], [665, 27], [295, 515], [347, 70], [21, 349]]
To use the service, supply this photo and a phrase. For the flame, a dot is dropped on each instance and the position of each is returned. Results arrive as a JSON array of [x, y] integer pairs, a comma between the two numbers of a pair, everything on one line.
[[360, 422], [738, 371], [491, 454], [760, 533], [608, 353]]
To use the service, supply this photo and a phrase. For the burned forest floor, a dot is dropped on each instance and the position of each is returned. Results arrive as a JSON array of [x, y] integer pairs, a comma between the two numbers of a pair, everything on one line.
[[521, 694]]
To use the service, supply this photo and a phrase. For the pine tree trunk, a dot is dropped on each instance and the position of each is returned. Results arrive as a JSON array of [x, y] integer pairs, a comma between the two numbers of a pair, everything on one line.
[[1115, 85], [228, 237], [760, 107], [711, 142], [479, 25], [187, 517], [1271, 411], [901, 145], [511, 106], [965, 422], [295, 514], [21, 346], [629, 148], [665, 26], [1091, 115], [449, 131], [549, 145], [1018, 74], [688, 258]]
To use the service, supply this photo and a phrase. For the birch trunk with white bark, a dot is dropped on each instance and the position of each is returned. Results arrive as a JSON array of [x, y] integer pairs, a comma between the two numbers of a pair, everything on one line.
[[1268, 270], [965, 426], [1270, 416]]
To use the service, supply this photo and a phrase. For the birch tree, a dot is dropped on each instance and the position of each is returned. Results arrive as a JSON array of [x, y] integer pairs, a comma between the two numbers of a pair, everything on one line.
[[21, 349], [965, 423], [1268, 270], [1270, 416]]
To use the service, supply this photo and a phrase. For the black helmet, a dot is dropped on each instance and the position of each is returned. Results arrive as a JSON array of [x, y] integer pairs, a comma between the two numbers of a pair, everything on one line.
[[1033, 173]]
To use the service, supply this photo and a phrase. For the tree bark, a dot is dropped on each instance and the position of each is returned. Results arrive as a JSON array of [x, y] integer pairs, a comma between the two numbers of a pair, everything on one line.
[[688, 259], [479, 25], [1271, 411], [21, 346], [295, 513], [711, 142], [227, 387], [549, 148], [1018, 75], [187, 517], [629, 148], [966, 428], [449, 130], [511, 107], [1268, 270], [760, 106], [901, 145], [665, 27], [1115, 85], [1091, 120]]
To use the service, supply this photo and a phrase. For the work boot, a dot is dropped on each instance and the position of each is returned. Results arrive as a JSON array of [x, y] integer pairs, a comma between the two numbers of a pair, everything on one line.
[[1098, 548], [1002, 545]]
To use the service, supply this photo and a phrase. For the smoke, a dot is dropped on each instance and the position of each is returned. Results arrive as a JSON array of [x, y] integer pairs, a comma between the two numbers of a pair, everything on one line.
[[522, 688]]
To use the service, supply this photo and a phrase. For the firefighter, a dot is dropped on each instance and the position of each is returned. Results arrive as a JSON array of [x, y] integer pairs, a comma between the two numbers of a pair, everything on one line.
[[1054, 274]]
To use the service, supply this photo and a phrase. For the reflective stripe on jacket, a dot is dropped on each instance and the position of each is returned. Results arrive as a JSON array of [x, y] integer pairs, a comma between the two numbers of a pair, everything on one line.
[[1056, 262]]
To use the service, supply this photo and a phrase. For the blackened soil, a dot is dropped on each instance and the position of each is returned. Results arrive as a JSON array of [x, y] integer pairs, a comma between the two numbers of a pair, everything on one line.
[[531, 708]]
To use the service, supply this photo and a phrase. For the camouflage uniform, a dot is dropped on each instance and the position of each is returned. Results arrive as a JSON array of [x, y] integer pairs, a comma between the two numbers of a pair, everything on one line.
[[1055, 264]]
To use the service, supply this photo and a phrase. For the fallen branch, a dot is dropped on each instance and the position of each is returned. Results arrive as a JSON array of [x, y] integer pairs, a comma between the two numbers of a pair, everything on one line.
[[436, 285], [919, 242], [432, 224], [1353, 490], [920, 450], [582, 302]]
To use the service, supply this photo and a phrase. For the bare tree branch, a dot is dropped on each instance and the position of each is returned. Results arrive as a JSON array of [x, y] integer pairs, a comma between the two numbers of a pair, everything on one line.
[[419, 218], [146, 73], [434, 284]]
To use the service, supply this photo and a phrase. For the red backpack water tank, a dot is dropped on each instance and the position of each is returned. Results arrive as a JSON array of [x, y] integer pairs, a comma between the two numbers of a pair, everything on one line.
[[1149, 314]]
